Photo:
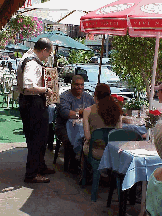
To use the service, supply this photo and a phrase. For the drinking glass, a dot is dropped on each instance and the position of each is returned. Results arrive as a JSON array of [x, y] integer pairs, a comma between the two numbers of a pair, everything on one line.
[[81, 108]]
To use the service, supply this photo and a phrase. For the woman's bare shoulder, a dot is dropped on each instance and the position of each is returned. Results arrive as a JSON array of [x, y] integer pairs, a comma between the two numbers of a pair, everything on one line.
[[87, 111]]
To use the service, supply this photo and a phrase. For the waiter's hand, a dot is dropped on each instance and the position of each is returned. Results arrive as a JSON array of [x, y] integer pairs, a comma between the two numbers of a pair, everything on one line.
[[49, 92]]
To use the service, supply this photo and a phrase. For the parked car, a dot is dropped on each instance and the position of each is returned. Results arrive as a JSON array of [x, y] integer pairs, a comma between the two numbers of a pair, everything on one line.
[[96, 60]]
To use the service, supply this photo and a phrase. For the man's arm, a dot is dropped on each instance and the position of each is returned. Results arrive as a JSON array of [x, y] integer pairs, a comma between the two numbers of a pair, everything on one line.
[[65, 108], [38, 90]]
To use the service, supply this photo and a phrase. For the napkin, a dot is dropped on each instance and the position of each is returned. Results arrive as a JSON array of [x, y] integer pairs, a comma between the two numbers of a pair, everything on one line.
[[142, 152]]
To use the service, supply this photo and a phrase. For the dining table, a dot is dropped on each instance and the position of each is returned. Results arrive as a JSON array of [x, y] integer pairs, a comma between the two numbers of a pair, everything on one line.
[[75, 130], [75, 133], [135, 159]]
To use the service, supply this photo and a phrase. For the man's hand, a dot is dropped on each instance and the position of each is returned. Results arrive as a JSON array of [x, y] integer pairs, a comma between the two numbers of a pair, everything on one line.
[[72, 115]]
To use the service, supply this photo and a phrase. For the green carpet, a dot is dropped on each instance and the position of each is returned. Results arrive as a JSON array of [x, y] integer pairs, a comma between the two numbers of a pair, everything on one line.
[[10, 124]]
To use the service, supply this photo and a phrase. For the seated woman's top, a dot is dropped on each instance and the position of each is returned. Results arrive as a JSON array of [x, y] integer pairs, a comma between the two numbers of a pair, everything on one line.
[[154, 195], [95, 121]]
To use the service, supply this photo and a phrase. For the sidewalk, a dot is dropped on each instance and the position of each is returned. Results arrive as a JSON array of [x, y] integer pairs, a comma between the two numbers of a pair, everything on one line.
[[62, 196]]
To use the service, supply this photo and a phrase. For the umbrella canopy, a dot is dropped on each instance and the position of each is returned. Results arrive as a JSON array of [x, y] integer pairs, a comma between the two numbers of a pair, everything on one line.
[[45, 14], [47, 35], [59, 39], [17, 47], [141, 18], [66, 12], [73, 18], [6, 51], [70, 5]]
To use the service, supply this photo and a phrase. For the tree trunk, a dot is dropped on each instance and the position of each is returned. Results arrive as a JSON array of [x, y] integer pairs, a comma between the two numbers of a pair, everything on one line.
[[147, 83]]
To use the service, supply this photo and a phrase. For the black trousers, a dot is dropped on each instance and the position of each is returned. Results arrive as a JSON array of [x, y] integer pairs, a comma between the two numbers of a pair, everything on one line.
[[35, 120]]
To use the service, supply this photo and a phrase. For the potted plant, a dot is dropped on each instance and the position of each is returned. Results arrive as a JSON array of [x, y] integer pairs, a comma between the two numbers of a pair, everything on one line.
[[134, 104]]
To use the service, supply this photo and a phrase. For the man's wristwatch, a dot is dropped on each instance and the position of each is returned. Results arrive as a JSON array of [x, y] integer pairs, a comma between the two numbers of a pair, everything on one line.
[[46, 91]]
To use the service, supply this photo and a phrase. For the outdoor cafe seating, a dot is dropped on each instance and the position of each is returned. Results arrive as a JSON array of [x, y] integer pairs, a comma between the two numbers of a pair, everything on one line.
[[98, 134], [129, 158], [9, 89], [120, 135]]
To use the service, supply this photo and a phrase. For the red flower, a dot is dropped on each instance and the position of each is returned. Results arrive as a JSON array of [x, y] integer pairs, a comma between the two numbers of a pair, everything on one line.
[[120, 98], [155, 112], [114, 95]]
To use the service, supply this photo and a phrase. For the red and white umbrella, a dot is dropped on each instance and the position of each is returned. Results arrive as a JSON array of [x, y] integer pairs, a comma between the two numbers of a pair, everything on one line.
[[141, 18]]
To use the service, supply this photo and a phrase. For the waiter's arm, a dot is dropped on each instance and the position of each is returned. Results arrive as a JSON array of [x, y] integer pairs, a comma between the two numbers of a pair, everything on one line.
[[38, 90]]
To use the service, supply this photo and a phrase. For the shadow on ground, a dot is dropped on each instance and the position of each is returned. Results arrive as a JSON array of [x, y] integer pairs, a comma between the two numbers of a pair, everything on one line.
[[62, 196]]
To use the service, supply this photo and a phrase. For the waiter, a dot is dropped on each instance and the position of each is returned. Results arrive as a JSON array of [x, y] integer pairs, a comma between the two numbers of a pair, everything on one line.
[[33, 111]]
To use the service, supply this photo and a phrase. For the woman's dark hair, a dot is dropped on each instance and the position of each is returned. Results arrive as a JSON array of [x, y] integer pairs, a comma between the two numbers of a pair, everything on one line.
[[108, 109], [43, 43]]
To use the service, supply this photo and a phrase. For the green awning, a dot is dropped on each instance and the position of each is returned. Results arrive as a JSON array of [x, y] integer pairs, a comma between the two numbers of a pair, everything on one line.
[[59, 39], [17, 47]]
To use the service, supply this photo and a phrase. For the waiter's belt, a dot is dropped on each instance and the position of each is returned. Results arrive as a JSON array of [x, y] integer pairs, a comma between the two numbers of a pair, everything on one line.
[[29, 95]]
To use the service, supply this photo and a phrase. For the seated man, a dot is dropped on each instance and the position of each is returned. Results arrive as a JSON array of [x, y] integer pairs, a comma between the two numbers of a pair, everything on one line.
[[70, 101]]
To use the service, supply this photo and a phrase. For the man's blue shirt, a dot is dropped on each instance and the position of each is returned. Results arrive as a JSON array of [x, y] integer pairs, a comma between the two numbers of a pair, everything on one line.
[[69, 102]]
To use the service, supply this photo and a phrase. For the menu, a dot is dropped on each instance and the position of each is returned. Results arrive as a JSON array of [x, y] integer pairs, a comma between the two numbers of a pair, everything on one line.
[[51, 81]]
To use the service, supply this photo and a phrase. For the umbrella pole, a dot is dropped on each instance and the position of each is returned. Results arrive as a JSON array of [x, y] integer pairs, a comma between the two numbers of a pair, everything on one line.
[[55, 57], [102, 50], [154, 70]]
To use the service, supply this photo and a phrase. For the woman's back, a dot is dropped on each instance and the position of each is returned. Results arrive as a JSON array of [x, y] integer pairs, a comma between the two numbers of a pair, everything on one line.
[[95, 120]]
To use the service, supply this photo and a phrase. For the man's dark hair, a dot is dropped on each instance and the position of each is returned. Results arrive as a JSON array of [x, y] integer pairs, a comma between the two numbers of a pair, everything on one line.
[[76, 77], [43, 43]]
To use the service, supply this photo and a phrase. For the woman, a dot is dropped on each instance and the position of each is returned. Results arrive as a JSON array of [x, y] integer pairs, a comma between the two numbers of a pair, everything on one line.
[[154, 187], [104, 113]]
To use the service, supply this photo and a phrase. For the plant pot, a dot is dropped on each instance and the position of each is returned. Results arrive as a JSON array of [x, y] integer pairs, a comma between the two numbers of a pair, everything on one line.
[[136, 113], [133, 112], [129, 112]]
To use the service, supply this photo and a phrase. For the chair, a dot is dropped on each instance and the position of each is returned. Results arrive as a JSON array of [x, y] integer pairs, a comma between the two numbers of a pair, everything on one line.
[[7, 89], [58, 142], [121, 135], [57, 147], [98, 134], [15, 95]]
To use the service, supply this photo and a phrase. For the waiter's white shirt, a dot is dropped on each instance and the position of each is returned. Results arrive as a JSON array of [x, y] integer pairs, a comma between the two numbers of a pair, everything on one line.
[[32, 75]]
